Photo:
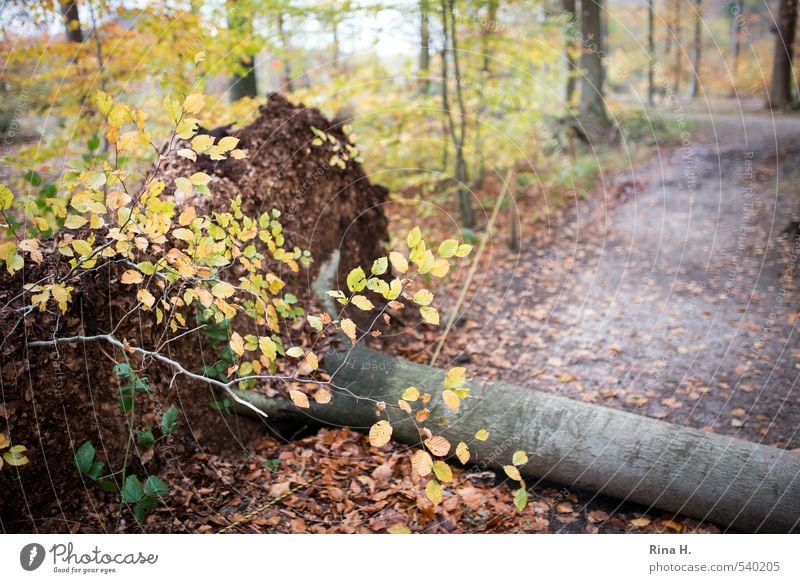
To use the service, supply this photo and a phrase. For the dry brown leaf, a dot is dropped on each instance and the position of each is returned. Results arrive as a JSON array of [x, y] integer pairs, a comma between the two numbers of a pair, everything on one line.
[[438, 445]]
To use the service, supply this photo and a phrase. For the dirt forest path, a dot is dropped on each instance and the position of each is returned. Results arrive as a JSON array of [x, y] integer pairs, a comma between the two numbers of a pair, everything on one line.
[[679, 302]]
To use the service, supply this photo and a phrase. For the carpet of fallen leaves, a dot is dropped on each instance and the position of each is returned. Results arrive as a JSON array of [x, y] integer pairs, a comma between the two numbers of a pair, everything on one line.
[[334, 482]]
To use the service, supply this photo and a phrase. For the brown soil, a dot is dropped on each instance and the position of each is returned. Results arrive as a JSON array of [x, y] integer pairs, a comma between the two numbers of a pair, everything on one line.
[[54, 400]]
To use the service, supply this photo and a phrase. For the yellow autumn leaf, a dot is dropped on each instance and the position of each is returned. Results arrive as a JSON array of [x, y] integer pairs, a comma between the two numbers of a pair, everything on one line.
[[462, 452], [312, 361], [237, 343], [430, 315], [398, 528], [323, 396], [451, 400], [442, 471], [4, 441], [423, 297], [132, 276], [481, 435], [380, 433], [187, 216], [398, 261], [362, 302], [455, 377], [202, 142], [223, 290], [512, 472], [194, 103], [299, 398], [349, 329], [404, 406], [421, 462], [414, 237], [437, 445], [434, 491], [228, 143], [144, 296], [411, 394], [520, 458]]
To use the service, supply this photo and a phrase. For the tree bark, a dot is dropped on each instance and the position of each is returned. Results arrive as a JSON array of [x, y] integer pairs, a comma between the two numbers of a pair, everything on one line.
[[569, 52], [242, 84], [734, 483], [72, 21], [735, 43], [780, 93], [593, 107], [678, 47], [694, 84], [424, 45], [287, 66], [651, 53]]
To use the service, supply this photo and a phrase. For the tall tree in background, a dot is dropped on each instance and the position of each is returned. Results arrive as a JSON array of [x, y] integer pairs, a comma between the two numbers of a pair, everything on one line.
[[72, 21], [424, 44], [593, 107], [697, 49], [286, 75], [651, 53], [678, 47], [780, 92], [569, 51], [457, 133], [243, 84], [487, 33], [736, 7]]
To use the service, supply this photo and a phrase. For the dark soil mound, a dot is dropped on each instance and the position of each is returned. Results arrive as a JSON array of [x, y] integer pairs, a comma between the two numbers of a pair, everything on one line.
[[55, 399]]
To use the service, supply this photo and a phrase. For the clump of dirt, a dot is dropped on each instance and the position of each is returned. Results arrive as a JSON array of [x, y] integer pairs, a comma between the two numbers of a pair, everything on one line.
[[53, 399]]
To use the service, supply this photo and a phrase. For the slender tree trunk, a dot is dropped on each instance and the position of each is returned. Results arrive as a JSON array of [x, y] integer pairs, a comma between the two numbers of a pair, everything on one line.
[[487, 31], [678, 47], [651, 53], [336, 46], [570, 50], [694, 84], [286, 78], [736, 7], [592, 93], [72, 21], [461, 175], [424, 45], [780, 93], [242, 84]]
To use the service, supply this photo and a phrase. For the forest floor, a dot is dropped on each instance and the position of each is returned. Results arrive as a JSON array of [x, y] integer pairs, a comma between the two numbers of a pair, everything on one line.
[[660, 293]]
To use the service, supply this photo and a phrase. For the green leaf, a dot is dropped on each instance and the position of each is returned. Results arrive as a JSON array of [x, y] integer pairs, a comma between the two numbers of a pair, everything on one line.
[[106, 485], [132, 490], [84, 457], [122, 370], [96, 470], [141, 508], [169, 420], [145, 438], [93, 143], [434, 491], [463, 250], [448, 248], [6, 197], [155, 486], [33, 178], [521, 499], [356, 280]]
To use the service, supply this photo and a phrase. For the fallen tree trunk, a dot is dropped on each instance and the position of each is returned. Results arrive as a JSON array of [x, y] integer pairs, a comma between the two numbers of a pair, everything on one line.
[[742, 485]]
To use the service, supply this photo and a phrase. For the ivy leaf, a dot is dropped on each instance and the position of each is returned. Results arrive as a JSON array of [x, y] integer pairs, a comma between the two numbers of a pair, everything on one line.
[[84, 457], [380, 433], [434, 491], [356, 280], [132, 490]]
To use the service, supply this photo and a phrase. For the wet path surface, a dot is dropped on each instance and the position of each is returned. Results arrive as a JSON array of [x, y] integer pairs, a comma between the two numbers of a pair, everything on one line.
[[678, 303]]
